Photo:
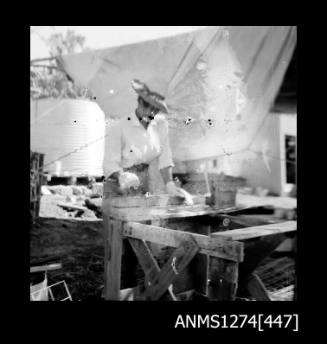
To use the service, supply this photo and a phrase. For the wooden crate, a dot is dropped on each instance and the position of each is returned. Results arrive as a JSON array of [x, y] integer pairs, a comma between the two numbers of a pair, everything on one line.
[[222, 188]]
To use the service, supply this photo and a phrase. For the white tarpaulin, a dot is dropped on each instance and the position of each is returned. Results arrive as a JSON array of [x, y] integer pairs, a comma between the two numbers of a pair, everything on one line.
[[219, 82]]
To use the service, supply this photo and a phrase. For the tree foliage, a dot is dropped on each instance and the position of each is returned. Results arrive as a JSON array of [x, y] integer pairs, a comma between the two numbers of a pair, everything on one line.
[[60, 45], [49, 79]]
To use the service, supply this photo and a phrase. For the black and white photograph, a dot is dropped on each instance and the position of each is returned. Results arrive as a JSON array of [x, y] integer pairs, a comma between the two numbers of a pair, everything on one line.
[[163, 164]]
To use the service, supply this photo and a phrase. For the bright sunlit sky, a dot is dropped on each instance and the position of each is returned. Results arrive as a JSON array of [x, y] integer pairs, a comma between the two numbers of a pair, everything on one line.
[[97, 37]]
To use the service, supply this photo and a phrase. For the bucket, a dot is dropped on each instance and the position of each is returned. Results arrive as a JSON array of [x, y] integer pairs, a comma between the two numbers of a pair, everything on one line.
[[222, 198]]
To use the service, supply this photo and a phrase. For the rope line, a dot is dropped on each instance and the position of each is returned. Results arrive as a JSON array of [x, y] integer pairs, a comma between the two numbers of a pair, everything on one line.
[[217, 156], [74, 151]]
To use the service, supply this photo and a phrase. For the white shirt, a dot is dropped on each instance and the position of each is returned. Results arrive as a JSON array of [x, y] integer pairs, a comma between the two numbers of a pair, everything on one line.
[[128, 143]]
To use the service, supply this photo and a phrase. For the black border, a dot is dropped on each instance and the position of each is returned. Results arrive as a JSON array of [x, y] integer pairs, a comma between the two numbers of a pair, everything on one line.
[[145, 316]]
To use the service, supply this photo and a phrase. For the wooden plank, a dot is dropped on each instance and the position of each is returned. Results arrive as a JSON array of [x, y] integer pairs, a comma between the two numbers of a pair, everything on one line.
[[223, 279], [255, 252], [269, 201], [176, 263], [185, 295], [49, 267], [288, 214], [145, 258], [200, 266], [152, 201], [156, 248], [113, 273], [148, 263], [126, 294], [71, 206], [286, 246], [139, 214], [132, 294], [257, 289], [257, 231], [136, 294], [214, 246], [195, 276], [252, 220], [106, 242], [156, 213]]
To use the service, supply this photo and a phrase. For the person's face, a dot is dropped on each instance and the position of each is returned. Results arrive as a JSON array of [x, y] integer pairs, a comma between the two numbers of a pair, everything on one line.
[[146, 110]]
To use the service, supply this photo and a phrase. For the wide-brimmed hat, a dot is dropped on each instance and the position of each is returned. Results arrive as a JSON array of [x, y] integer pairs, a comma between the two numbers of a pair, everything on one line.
[[153, 98]]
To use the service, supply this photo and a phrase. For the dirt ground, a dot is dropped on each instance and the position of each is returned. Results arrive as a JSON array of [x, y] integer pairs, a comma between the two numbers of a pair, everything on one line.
[[75, 242]]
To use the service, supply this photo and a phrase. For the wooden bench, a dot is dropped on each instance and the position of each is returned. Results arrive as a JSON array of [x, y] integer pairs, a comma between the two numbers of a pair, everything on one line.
[[271, 236], [222, 251]]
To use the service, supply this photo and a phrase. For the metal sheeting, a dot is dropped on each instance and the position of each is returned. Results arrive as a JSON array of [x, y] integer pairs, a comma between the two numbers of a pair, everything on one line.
[[70, 134], [230, 75]]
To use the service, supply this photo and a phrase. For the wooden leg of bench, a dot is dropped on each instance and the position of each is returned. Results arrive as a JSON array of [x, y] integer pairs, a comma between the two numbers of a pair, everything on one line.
[[256, 288], [105, 244], [149, 266], [200, 267], [223, 276], [255, 252], [130, 269], [176, 263], [113, 268]]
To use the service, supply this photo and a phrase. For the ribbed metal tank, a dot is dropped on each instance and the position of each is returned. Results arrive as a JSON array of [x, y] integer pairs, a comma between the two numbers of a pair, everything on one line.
[[71, 135]]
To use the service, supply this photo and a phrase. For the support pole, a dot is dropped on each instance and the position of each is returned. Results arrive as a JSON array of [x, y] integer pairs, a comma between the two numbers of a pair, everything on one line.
[[223, 277], [114, 254]]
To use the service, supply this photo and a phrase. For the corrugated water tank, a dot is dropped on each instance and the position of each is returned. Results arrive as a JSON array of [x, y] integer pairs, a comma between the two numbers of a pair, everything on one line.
[[71, 135]]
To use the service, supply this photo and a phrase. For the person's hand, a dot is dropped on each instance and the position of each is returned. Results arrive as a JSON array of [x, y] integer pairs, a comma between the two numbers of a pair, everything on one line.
[[127, 180], [173, 190]]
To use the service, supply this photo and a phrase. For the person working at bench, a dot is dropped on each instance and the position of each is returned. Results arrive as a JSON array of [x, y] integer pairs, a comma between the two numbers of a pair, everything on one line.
[[138, 160], [137, 148]]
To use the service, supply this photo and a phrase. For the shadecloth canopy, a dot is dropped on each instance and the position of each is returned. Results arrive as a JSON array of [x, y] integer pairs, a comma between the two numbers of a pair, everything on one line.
[[219, 82]]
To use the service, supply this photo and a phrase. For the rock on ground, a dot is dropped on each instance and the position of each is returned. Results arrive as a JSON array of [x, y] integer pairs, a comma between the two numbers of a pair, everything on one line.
[[49, 207], [45, 190], [63, 190]]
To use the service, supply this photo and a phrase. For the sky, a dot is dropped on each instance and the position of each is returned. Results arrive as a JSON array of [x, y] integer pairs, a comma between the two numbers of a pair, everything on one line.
[[97, 37]]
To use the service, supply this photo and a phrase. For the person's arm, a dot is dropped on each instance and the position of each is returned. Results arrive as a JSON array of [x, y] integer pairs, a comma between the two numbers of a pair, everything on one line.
[[165, 166], [113, 148], [167, 174], [116, 175], [113, 156], [165, 158]]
